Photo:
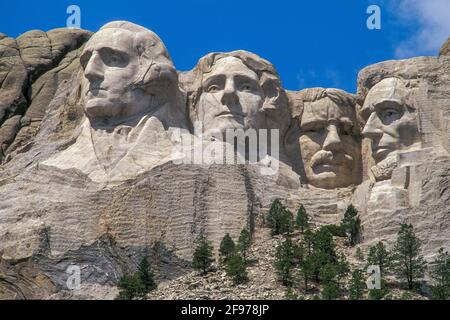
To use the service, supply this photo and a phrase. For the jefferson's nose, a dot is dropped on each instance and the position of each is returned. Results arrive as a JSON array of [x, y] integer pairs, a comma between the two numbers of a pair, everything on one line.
[[229, 96], [94, 68], [372, 129], [332, 141]]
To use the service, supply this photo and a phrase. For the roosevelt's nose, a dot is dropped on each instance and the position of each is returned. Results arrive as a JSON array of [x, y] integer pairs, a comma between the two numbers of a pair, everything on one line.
[[94, 68], [372, 129], [229, 96], [332, 140]]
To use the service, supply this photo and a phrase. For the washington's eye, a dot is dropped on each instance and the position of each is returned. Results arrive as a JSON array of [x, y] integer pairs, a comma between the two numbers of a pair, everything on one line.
[[213, 88], [84, 59], [114, 58]]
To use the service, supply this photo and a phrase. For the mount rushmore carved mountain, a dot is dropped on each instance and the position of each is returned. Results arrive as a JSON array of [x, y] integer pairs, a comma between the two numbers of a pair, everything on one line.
[[88, 127]]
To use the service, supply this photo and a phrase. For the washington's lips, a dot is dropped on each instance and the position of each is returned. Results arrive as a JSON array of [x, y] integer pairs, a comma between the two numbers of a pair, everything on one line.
[[329, 160]]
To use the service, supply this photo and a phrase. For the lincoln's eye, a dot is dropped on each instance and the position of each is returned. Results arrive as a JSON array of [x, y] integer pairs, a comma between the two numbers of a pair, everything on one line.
[[213, 88]]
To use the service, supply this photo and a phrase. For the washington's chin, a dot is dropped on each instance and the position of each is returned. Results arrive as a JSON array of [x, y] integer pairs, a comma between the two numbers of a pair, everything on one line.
[[100, 108]]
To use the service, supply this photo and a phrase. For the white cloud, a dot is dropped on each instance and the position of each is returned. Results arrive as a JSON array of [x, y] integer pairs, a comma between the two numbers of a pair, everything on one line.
[[432, 17]]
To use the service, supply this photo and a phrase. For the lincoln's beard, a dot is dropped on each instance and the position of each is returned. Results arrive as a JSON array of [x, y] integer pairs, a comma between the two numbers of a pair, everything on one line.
[[383, 170]]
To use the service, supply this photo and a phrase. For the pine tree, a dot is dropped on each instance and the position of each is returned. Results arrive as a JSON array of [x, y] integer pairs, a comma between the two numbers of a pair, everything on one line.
[[202, 258], [244, 242], [235, 268], [328, 274], [342, 268], [378, 255], [287, 222], [440, 275], [302, 219], [306, 271], [130, 287], [273, 216], [409, 265], [289, 294], [323, 251], [146, 276], [357, 285], [138, 284], [284, 261], [308, 240], [359, 255], [351, 223], [227, 247], [323, 242], [379, 294], [280, 219]]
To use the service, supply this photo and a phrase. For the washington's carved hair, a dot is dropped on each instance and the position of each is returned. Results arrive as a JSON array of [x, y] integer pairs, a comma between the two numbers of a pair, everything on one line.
[[154, 59]]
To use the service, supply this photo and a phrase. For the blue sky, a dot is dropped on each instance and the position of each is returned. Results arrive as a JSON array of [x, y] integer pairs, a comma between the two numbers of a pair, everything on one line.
[[311, 43]]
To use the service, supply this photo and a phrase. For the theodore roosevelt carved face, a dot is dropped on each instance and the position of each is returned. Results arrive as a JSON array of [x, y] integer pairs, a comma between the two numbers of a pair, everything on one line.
[[328, 142]]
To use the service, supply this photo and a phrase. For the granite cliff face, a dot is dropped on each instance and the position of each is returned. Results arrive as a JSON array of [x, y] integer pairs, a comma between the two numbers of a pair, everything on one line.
[[89, 176]]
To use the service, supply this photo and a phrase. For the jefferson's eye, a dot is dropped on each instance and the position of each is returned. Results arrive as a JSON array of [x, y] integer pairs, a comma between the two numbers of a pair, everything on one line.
[[213, 88], [390, 115], [314, 130]]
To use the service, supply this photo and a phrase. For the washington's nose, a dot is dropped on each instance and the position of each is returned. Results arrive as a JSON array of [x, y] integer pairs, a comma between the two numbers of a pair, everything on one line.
[[229, 96], [332, 141], [94, 69], [372, 128]]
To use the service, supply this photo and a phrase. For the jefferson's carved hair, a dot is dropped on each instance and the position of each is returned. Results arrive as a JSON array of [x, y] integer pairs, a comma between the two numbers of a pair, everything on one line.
[[275, 107]]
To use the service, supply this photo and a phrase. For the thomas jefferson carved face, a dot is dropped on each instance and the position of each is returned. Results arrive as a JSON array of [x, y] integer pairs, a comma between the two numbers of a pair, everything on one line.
[[116, 64], [329, 147], [231, 97], [390, 121]]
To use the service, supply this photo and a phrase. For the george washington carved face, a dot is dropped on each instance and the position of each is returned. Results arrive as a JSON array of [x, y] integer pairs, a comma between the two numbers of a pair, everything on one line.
[[127, 72]]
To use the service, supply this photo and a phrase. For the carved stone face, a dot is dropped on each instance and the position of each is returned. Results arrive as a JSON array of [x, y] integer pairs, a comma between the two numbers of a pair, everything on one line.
[[390, 123], [329, 148], [110, 62], [232, 97]]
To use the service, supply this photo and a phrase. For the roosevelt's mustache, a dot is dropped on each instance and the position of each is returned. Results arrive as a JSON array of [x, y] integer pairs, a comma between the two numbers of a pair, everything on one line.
[[329, 157]]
